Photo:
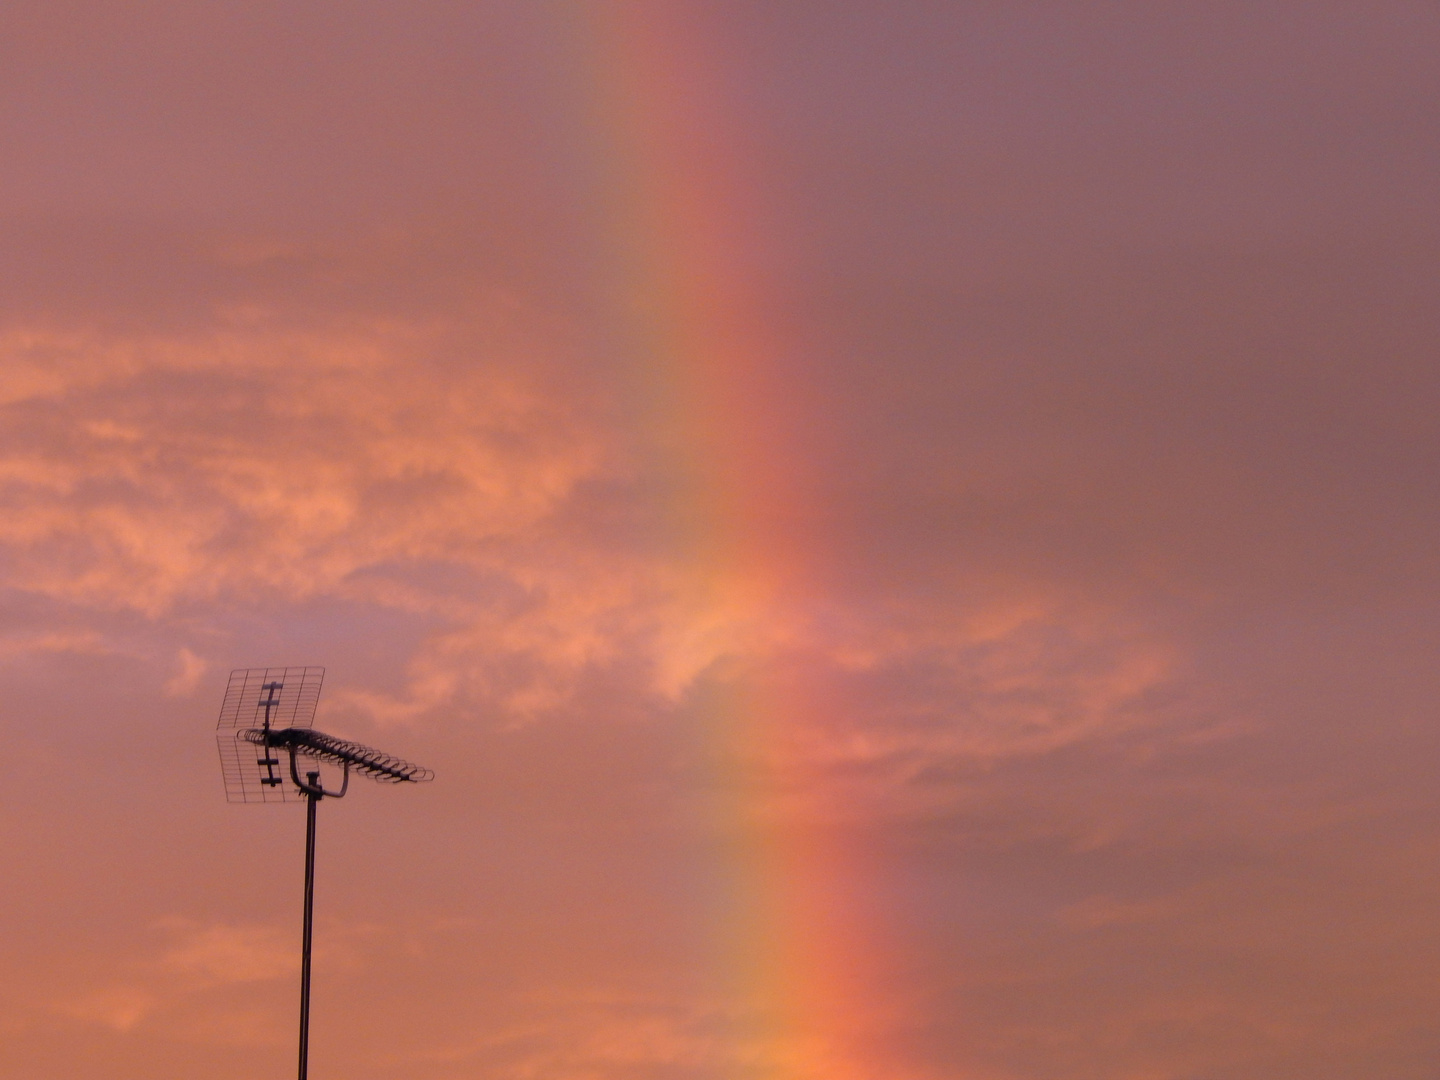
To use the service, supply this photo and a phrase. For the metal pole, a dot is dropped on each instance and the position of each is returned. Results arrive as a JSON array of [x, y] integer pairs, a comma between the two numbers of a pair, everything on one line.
[[311, 798]]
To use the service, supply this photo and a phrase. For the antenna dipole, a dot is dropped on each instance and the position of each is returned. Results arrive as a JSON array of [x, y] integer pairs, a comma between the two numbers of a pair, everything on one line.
[[289, 697], [269, 779]]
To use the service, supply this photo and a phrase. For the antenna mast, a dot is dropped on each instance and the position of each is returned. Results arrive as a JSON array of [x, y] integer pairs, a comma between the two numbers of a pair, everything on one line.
[[288, 696]]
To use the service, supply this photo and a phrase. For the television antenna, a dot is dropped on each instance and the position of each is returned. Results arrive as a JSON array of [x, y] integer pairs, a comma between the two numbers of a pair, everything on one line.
[[265, 726]]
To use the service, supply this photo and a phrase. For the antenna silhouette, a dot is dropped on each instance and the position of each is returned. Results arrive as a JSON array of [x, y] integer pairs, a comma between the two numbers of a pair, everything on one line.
[[264, 727]]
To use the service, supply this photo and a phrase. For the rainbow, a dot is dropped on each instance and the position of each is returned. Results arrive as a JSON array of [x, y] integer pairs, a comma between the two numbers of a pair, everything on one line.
[[683, 223]]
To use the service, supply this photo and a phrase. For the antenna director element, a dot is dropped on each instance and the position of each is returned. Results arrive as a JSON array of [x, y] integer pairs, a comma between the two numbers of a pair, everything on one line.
[[318, 746]]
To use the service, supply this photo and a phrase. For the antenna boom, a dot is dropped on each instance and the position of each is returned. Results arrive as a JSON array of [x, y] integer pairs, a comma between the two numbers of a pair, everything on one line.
[[375, 764]]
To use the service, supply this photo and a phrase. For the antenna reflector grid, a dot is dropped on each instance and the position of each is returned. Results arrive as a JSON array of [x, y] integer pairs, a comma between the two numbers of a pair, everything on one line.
[[273, 697]]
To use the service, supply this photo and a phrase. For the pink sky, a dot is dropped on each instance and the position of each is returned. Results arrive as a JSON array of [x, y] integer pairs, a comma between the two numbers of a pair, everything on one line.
[[907, 533]]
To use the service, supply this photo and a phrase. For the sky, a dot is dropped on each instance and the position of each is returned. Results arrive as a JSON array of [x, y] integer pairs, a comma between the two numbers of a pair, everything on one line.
[[906, 532]]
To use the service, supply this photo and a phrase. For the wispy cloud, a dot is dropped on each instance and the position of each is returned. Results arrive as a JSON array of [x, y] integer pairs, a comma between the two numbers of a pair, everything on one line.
[[219, 954], [119, 1008]]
